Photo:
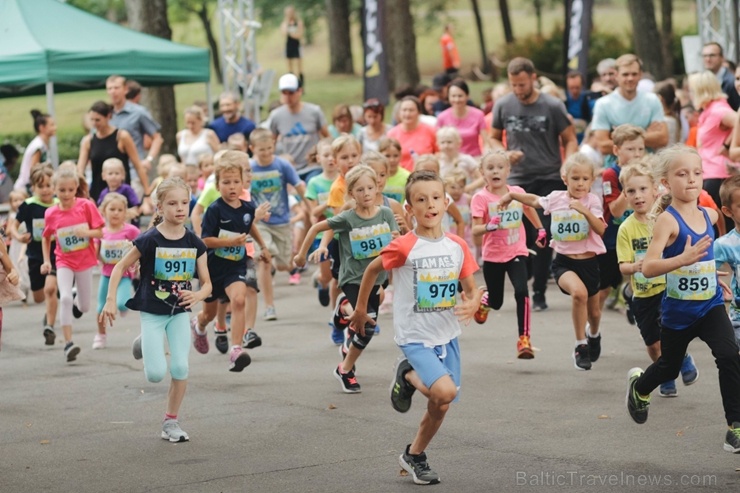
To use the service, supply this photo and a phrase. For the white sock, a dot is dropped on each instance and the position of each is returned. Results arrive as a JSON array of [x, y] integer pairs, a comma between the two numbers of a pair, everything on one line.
[[581, 341], [593, 336]]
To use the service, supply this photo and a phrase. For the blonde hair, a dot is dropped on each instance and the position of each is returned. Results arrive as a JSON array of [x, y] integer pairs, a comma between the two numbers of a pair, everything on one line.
[[260, 135], [705, 88], [343, 140], [371, 158], [68, 171], [449, 132], [237, 142], [387, 142], [455, 177], [639, 167], [112, 197], [313, 155], [577, 159], [627, 133], [178, 169], [427, 159], [17, 194], [204, 158], [662, 164], [495, 155], [627, 59], [165, 163], [113, 161], [167, 185], [354, 175], [231, 161], [40, 172], [196, 111]]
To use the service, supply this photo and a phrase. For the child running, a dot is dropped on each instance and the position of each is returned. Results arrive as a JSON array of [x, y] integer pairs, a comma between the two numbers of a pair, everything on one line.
[[426, 265], [633, 239], [681, 249], [504, 247], [727, 248], [73, 221], [226, 224], [170, 257], [363, 232], [116, 242], [576, 228], [27, 228], [395, 185]]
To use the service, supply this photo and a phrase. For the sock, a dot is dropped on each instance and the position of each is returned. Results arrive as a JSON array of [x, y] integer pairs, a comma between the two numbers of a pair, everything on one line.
[[170, 416], [68, 345], [235, 348], [218, 329], [581, 341], [198, 330], [593, 336]]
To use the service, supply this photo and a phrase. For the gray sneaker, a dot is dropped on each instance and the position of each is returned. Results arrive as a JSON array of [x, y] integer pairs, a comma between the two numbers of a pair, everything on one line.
[[71, 350], [251, 340], [136, 348], [270, 314], [417, 466], [171, 431], [401, 390]]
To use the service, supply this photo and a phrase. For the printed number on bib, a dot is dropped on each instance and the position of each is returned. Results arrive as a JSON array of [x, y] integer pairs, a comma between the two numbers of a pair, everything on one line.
[[112, 251], [174, 264], [569, 225], [234, 253], [643, 283], [511, 217], [69, 241], [367, 242], [266, 182], [435, 283], [696, 282], [37, 226]]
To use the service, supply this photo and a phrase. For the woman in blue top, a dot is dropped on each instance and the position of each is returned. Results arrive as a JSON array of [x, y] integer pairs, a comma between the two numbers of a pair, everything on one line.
[[692, 307]]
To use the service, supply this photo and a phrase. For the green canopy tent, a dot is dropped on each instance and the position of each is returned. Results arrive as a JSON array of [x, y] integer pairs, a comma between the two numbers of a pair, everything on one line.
[[50, 46]]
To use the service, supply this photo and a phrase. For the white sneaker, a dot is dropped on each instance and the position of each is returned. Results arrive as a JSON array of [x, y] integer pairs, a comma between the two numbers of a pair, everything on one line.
[[270, 314], [171, 431], [99, 341]]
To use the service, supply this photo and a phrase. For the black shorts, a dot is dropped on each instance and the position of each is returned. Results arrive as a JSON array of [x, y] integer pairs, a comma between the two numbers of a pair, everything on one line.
[[333, 249], [352, 291], [609, 274], [586, 269], [38, 280], [220, 283], [647, 313], [292, 48]]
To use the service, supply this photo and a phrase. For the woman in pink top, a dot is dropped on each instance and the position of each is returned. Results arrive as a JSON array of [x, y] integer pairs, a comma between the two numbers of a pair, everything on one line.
[[577, 226], [415, 137], [73, 221], [469, 121], [714, 131]]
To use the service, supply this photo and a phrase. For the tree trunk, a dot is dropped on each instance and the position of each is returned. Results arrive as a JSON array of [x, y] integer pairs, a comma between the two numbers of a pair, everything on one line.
[[205, 19], [538, 15], [645, 33], [503, 6], [340, 45], [150, 17], [666, 26], [401, 44], [485, 65]]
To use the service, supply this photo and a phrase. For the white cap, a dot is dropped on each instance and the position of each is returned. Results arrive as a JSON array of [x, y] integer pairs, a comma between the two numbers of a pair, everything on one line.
[[288, 82]]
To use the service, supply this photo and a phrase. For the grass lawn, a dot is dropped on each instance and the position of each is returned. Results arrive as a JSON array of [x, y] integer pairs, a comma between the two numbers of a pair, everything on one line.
[[327, 90]]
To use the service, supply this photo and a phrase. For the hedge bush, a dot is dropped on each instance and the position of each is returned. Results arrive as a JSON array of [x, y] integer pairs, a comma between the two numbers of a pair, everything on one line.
[[67, 143]]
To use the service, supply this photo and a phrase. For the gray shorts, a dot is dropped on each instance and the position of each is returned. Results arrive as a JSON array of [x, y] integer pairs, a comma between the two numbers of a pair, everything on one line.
[[279, 242]]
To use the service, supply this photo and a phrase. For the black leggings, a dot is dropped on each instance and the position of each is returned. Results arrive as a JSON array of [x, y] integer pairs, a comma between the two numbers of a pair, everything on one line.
[[352, 291], [494, 275], [716, 331]]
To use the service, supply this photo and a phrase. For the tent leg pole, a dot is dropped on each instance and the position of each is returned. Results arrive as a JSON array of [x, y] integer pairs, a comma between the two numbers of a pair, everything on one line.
[[53, 149], [209, 101]]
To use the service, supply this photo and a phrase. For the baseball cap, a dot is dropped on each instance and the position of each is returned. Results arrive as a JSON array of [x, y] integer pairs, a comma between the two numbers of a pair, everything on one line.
[[288, 82]]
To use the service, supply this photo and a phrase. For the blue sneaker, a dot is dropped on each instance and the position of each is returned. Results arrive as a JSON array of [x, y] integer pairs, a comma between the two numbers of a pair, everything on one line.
[[668, 389], [377, 328], [337, 335], [689, 371]]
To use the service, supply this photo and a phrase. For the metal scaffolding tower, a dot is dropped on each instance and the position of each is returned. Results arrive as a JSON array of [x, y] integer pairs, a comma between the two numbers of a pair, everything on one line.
[[718, 21]]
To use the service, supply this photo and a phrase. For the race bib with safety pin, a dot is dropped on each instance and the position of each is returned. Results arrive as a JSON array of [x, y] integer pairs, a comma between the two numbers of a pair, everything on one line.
[[569, 225], [367, 242], [695, 282], [234, 253], [112, 251], [435, 283], [511, 219], [174, 264], [68, 239], [37, 227]]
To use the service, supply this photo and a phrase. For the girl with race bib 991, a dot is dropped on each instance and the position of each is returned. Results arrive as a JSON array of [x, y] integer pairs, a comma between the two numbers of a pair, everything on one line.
[[116, 242], [170, 256], [363, 232], [692, 306], [74, 221], [504, 246], [576, 228]]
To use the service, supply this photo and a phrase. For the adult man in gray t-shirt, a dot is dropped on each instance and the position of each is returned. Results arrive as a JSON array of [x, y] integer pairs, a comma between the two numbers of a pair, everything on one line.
[[297, 125], [536, 126]]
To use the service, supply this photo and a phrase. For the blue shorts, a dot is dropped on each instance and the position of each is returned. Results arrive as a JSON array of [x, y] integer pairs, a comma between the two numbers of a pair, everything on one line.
[[432, 363]]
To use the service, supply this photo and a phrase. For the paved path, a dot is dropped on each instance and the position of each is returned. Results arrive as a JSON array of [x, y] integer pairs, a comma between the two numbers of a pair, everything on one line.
[[284, 425]]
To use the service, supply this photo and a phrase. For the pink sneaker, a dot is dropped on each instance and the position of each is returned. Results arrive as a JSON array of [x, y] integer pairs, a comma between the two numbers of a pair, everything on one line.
[[295, 279], [99, 341], [239, 359], [200, 342]]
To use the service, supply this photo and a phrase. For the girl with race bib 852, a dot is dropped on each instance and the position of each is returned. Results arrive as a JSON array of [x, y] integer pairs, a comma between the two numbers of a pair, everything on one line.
[[576, 228], [74, 221]]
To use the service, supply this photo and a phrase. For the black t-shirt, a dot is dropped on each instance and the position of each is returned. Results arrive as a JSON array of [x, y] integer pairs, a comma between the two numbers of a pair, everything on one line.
[[221, 221], [31, 213], [167, 267]]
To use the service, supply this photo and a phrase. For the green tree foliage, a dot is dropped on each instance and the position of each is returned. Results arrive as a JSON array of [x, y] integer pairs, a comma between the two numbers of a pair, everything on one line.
[[113, 10]]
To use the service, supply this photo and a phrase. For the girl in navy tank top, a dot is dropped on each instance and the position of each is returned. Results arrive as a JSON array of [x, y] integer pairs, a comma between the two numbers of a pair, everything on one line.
[[681, 249]]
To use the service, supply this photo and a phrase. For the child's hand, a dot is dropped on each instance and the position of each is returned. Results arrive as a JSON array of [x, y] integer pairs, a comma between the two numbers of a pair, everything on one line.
[[319, 255], [694, 253], [358, 319], [262, 212], [637, 267], [493, 224], [726, 291], [577, 206], [147, 209], [238, 240], [45, 268], [188, 299], [13, 277], [401, 221], [300, 260], [395, 234], [24, 238], [541, 240], [108, 315], [515, 157], [265, 255], [465, 310], [504, 202]]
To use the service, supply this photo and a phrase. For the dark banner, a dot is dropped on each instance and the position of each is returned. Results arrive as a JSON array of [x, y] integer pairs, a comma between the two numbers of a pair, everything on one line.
[[375, 66], [577, 32]]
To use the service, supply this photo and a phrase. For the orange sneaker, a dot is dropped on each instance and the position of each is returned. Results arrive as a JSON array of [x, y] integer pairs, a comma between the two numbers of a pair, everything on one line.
[[482, 314], [524, 348]]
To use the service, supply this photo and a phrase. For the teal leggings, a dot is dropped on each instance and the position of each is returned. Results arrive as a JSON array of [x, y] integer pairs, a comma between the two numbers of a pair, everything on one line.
[[153, 329], [122, 296]]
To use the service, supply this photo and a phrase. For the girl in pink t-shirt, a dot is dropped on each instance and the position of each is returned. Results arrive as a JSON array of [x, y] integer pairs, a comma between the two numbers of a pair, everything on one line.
[[576, 228], [73, 221], [115, 244], [504, 245]]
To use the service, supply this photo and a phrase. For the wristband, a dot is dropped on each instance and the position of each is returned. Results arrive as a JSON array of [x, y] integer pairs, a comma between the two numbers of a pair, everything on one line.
[[541, 234], [493, 223]]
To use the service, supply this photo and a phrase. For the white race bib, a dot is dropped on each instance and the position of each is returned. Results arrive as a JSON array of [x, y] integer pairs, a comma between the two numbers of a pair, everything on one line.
[[69, 241], [695, 282], [569, 225]]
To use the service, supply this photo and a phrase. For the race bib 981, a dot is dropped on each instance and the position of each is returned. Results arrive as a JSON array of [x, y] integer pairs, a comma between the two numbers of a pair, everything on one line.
[[367, 242]]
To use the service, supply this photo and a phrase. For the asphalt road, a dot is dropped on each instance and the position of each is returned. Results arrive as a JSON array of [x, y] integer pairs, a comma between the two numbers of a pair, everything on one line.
[[283, 425]]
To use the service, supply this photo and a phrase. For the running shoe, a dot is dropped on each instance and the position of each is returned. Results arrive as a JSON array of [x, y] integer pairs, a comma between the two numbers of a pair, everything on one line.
[[295, 279], [75, 311], [171, 431], [71, 351], [337, 335], [136, 348], [668, 389], [251, 340], [340, 321], [594, 346], [49, 335], [482, 314], [732, 439], [689, 371], [417, 466], [539, 303], [637, 405], [627, 295], [239, 359], [200, 341], [581, 358], [524, 348], [99, 341], [222, 341], [348, 381], [323, 295], [270, 314], [401, 390]]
